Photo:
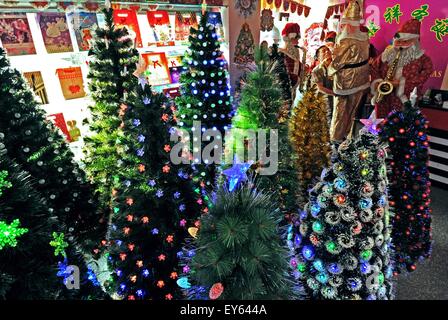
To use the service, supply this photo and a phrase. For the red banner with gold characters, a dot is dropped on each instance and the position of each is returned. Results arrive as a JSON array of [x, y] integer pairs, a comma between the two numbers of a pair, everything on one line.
[[71, 82], [128, 19], [15, 34]]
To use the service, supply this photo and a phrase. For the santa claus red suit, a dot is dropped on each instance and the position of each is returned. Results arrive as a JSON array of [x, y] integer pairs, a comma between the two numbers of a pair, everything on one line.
[[293, 60], [412, 69]]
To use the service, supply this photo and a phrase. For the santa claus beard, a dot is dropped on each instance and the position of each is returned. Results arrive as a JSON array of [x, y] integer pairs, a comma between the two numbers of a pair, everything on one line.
[[408, 54]]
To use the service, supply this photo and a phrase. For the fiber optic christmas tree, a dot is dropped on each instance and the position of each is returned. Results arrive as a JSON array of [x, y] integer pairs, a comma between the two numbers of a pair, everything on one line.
[[261, 108], [309, 135], [282, 74], [342, 238], [154, 206], [38, 147], [114, 59], [205, 92], [407, 134], [237, 254]]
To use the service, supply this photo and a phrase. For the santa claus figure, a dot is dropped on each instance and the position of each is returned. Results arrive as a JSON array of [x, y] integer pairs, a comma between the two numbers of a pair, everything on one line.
[[350, 70], [293, 58], [410, 68]]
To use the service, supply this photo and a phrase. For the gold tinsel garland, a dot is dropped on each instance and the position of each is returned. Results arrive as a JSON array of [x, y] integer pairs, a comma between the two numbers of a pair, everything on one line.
[[309, 135]]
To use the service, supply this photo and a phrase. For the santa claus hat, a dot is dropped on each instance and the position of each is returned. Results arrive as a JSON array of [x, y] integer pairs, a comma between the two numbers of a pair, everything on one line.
[[409, 30], [291, 31]]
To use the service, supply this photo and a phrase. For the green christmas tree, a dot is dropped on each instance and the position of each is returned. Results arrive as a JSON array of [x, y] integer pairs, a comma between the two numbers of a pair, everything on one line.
[[37, 146], [342, 238], [261, 108], [154, 206], [205, 94], [113, 61], [406, 132], [238, 254]]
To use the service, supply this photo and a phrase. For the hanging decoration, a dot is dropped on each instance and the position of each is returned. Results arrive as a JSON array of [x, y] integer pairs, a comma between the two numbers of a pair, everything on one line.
[[64, 5], [267, 20], [91, 6], [246, 7], [331, 10], [128, 19], [290, 5], [40, 5], [185, 21], [245, 46], [83, 25], [59, 244], [159, 23], [36, 82]]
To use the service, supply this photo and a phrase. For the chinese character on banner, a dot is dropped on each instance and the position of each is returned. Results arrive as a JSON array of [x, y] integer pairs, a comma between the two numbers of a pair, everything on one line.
[[421, 12], [393, 13], [157, 70], [128, 19], [15, 34], [59, 121], [440, 28]]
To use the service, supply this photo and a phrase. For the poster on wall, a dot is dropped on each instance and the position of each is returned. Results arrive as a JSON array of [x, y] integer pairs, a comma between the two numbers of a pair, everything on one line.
[[157, 70], [15, 34], [55, 32], [36, 82], [59, 121], [185, 21], [159, 22], [71, 82], [84, 24], [128, 19]]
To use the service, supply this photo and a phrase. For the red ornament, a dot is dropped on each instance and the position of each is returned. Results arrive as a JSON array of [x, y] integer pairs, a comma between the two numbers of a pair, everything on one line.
[[130, 217], [160, 283], [216, 290], [391, 139]]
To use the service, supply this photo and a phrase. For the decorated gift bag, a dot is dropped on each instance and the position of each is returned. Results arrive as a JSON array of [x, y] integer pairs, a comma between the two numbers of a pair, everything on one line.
[[175, 66], [84, 24], [128, 19], [36, 82], [55, 32], [71, 82], [157, 70], [159, 21], [185, 21], [15, 34]]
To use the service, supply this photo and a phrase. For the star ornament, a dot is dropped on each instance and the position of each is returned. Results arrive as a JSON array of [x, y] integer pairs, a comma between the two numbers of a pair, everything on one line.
[[10, 233], [371, 124], [237, 174]]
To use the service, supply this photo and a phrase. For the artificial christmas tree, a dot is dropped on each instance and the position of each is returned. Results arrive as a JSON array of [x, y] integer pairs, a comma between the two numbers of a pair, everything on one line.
[[342, 238], [309, 135], [406, 132], [113, 61], [37, 146], [261, 109], [205, 92], [154, 205], [237, 254]]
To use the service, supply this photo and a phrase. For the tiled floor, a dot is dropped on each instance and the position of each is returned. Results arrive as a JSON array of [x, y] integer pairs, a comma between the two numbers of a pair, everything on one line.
[[430, 280]]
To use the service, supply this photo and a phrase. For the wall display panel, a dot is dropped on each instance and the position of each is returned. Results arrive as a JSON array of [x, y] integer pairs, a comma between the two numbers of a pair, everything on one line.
[[15, 34]]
